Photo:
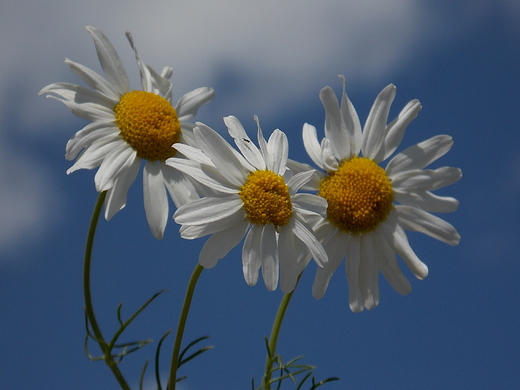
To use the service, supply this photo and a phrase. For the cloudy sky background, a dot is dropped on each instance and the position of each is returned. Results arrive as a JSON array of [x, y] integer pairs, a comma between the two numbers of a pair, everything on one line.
[[270, 58]]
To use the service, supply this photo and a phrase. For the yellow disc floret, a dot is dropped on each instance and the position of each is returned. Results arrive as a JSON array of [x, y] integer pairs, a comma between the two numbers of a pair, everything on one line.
[[149, 123], [266, 198], [359, 195]]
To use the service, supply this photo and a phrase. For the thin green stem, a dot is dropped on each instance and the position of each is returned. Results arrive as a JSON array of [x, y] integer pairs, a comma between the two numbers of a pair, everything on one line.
[[89, 308], [182, 324], [273, 339]]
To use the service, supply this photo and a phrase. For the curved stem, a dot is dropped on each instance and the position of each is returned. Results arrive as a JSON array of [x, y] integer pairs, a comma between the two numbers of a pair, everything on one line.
[[273, 339], [89, 308], [182, 324]]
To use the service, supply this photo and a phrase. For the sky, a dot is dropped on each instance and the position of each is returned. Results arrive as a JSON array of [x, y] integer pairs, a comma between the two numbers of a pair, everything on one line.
[[456, 329]]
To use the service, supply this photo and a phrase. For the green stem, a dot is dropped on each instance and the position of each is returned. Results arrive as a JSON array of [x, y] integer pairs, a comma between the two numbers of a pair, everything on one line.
[[89, 308], [273, 339], [182, 324]]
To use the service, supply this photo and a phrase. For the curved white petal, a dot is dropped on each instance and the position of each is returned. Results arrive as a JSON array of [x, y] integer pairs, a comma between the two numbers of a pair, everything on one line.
[[116, 196], [221, 154], [352, 264], [352, 124], [330, 163], [220, 243], [110, 62], [412, 218], [335, 129], [278, 151], [389, 266], [269, 257], [395, 129], [244, 143], [93, 80], [427, 201], [144, 73], [369, 272], [305, 234], [189, 104], [206, 210], [94, 155], [299, 180], [309, 203], [251, 254], [396, 238], [190, 232], [336, 252], [181, 189], [374, 132], [289, 270], [419, 156], [117, 160], [88, 135], [311, 144], [426, 179], [155, 199]]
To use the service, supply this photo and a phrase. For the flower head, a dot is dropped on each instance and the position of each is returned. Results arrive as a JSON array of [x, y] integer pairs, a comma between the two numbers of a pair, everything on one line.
[[369, 208], [128, 126], [255, 196]]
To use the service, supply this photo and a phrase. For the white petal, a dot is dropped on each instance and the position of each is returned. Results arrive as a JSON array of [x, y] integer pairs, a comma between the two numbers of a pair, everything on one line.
[[194, 171], [336, 251], [251, 253], [189, 104], [116, 196], [375, 128], [305, 234], [419, 156], [181, 189], [352, 124], [261, 140], [396, 238], [412, 218], [388, 265], [427, 201], [117, 160], [298, 180], [244, 143], [94, 155], [144, 73], [288, 264], [426, 179], [93, 80], [269, 257], [110, 62], [196, 231], [82, 102], [220, 152], [278, 149], [330, 164], [155, 199], [355, 297], [311, 144], [335, 130], [193, 153], [395, 130], [369, 272], [89, 134], [306, 203], [220, 243], [206, 210], [162, 86]]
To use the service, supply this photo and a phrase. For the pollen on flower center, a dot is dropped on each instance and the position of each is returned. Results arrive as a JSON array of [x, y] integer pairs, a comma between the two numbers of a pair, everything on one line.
[[266, 198], [359, 195], [149, 123]]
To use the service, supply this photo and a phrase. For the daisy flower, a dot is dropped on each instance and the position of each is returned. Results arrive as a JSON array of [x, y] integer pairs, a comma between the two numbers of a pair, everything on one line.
[[129, 126], [255, 196], [370, 207]]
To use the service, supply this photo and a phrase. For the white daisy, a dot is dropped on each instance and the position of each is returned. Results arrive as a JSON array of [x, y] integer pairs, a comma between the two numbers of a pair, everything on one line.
[[256, 197], [127, 126], [363, 223]]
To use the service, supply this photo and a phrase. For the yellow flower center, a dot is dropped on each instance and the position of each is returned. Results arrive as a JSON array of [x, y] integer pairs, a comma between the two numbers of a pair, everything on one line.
[[266, 198], [149, 124], [359, 195]]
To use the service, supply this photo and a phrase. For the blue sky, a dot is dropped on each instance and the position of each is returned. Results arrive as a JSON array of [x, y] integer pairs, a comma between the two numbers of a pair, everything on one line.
[[456, 329]]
